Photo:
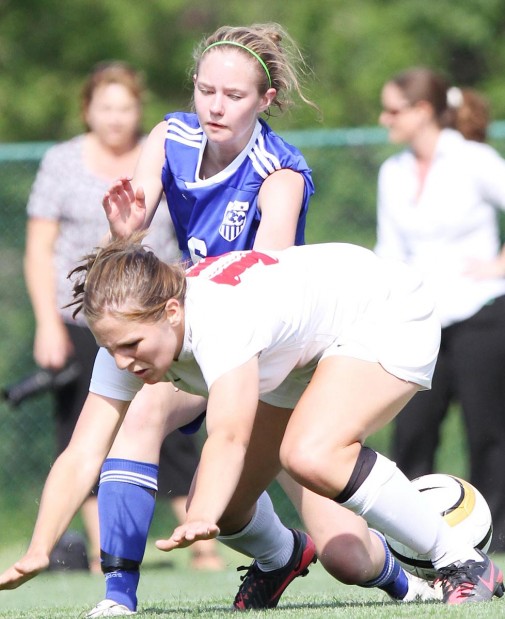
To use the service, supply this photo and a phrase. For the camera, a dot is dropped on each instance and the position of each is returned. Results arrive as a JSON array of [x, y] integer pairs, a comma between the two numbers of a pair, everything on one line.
[[40, 381]]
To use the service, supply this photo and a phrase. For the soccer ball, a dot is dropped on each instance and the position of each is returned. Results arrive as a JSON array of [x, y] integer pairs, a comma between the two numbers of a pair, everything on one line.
[[462, 506]]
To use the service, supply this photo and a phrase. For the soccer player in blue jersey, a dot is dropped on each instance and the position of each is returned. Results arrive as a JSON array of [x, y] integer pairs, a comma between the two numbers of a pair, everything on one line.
[[231, 183]]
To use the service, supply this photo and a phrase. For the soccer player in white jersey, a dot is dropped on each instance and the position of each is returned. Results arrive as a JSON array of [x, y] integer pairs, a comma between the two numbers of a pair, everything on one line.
[[231, 183], [330, 340]]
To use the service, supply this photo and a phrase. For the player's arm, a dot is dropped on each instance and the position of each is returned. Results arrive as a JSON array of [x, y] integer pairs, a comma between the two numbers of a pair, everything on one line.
[[69, 483], [130, 204], [231, 408], [280, 200]]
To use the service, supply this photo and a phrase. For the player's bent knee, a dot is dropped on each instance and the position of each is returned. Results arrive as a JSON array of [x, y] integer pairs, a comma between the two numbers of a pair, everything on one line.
[[307, 466]]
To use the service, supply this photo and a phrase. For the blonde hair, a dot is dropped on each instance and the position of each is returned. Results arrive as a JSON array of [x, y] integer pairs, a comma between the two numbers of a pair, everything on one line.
[[126, 280], [278, 53]]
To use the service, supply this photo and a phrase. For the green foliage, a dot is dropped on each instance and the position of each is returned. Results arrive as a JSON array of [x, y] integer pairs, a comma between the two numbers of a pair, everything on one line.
[[48, 46]]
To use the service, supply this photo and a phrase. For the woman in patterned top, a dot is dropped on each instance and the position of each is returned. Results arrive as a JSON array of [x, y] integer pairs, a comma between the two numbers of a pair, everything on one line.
[[65, 221]]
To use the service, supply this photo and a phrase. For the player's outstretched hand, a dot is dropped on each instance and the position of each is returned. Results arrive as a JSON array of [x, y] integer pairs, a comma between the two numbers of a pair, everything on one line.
[[125, 208], [23, 570], [188, 533]]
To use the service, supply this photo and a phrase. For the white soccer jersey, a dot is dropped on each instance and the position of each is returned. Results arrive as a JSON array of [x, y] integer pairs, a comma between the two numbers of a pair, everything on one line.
[[291, 308]]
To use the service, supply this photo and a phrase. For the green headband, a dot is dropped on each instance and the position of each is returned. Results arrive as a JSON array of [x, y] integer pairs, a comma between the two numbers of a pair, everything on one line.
[[247, 49]]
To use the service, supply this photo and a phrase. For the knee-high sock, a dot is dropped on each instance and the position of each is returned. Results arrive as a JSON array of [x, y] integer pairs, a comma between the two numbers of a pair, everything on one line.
[[390, 503], [392, 578], [126, 501], [265, 537]]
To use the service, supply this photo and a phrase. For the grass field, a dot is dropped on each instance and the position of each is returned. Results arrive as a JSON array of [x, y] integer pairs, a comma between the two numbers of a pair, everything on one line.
[[169, 589]]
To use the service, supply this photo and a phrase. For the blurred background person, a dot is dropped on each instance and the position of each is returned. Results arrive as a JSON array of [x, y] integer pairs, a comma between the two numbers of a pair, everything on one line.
[[438, 204], [65, 221], [468, 112]]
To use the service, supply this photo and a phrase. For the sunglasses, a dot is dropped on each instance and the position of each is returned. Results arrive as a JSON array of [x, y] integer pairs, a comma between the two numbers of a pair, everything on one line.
[[396, 111]]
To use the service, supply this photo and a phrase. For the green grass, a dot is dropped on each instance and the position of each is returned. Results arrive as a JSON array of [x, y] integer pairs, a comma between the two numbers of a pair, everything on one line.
[[170, 589]]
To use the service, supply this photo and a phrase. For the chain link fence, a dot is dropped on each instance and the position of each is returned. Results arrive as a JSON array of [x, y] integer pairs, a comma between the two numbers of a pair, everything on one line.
[[345, 165]]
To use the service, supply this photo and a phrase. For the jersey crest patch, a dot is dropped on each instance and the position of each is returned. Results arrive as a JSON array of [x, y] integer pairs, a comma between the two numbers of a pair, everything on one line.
[[234, 220]]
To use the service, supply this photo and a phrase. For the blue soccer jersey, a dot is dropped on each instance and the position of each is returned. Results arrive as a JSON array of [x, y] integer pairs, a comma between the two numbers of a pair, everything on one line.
[[220, 214]]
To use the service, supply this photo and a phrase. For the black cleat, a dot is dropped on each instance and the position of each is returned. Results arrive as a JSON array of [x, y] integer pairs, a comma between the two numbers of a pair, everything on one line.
[[264, 589]]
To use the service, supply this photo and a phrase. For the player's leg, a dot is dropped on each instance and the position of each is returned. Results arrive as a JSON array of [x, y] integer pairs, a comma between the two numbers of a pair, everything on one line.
[[347, 400], [128, 484], [251, 526], [254, 528], [349, 550], [337, 533]]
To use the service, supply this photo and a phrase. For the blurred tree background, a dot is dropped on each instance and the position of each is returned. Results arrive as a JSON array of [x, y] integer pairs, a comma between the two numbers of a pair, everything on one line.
[[47, 47]]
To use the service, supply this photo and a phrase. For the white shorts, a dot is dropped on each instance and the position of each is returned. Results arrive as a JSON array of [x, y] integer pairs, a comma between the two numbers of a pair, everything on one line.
[[401, 333]]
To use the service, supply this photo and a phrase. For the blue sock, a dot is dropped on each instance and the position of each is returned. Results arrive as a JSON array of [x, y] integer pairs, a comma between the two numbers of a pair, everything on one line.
[[126, 501], [392, 578]]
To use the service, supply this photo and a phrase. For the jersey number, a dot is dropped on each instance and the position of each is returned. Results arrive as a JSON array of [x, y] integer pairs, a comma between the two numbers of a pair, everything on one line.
[[197, 249], [230, 266]]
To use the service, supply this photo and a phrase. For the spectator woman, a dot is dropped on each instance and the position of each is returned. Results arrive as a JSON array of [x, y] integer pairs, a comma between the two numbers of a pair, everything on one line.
[[438, 205]]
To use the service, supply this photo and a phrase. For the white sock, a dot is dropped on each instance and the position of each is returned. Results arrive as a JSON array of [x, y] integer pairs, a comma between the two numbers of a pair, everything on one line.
[[265, 538], [390, 503]]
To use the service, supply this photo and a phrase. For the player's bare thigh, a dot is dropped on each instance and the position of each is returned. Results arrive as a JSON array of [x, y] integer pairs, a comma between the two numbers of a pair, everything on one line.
[[155, 411], [347, 400], [344, 544]]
